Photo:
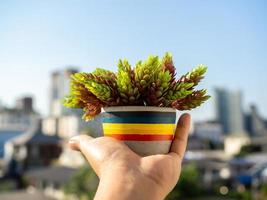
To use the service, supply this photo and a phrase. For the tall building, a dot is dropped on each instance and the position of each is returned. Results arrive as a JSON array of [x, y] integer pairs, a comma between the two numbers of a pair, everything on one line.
[[59, 89], [229, 111], [255, 124], [25, 104], [65, 122], [62, 121]]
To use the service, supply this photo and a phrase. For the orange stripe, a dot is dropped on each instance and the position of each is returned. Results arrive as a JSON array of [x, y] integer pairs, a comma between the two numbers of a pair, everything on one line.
[[138, 137]]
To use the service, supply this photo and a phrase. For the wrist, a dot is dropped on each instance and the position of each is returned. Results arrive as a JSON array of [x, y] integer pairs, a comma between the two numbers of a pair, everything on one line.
[[129, 185]]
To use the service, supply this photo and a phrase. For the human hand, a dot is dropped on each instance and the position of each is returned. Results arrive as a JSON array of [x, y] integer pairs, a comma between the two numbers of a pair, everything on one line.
[[125, 175]]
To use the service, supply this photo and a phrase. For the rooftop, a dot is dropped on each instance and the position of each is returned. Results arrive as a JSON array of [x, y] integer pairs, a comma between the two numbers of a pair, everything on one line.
[[40, 138]]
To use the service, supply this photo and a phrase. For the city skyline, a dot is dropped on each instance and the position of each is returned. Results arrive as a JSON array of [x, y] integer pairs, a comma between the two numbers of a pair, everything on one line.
[[37, 38], [55, 108]]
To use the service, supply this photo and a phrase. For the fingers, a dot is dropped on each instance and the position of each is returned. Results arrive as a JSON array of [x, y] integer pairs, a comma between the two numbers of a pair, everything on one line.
[[181, 135], [75, 141], [99, 151], [84, 143]]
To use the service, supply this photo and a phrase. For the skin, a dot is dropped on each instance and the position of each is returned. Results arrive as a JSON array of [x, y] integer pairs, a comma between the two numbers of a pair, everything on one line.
[[125, 175]]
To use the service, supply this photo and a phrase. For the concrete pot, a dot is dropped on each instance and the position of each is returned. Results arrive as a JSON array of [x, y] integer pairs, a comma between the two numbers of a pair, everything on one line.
[[146, 130]]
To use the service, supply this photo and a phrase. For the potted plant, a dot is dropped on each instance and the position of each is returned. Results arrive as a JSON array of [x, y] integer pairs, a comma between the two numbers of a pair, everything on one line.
[[138, 103]]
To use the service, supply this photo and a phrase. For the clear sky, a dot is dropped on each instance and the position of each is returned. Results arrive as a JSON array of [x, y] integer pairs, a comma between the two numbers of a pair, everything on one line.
[[38, 37]]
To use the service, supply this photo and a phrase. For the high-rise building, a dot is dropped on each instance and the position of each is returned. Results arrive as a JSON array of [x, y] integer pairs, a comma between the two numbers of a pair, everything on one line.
[[59, 89], [255, 124], [65, 122], [229, 111], [25, 104]]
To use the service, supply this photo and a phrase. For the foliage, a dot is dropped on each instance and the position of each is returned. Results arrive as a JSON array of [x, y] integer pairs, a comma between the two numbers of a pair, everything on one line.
[[149, 83], [263, 191], [82, 185], [189, 184], [245, 195], [7, 185], [248, 149]]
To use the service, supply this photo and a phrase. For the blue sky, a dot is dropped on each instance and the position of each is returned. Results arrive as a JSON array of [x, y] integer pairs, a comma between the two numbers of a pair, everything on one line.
[[38, 37]]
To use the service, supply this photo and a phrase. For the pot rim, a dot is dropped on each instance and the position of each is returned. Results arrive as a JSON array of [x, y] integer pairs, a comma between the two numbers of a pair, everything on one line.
[[137, 108]]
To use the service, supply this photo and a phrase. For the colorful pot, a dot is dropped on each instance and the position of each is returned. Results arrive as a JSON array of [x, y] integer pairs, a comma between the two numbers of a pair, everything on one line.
[[146, 130]]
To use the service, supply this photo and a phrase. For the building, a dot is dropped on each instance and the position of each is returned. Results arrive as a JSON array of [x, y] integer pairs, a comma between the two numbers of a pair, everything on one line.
[[15, 123], [19, 118], [50, 125], [209, 130], [15, 119], [66, 123], [229, 111], [65, 126], [25, 104], [21, 150], [62, 121], [60, 81], [7, 148], [255, 124], [234, 142], [41, 150], [212, 165]]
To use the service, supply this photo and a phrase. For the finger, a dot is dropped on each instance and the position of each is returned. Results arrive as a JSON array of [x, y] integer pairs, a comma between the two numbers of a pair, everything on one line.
[[181, 135], [74, 142], [83, 143]]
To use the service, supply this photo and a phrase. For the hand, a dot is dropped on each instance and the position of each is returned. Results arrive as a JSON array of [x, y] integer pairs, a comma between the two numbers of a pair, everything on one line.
[[125, 175]]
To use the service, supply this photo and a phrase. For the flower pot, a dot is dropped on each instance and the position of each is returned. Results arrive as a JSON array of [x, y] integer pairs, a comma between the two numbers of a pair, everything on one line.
[[146, 130]]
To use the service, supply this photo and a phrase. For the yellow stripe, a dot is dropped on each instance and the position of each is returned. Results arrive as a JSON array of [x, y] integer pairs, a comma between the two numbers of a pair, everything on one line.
[[158, 129]]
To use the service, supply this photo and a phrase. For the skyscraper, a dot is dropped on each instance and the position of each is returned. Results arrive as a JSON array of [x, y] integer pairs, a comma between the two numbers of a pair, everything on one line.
[[25, 104], [229, 110], [255, 124], [65, 122], [59, 89]]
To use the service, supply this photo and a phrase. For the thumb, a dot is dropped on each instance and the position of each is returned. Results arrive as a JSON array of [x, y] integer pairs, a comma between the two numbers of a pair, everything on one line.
[[181, 135], [85, 144]]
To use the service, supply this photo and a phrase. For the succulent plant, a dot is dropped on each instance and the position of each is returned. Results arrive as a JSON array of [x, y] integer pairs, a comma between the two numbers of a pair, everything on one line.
[[150, 83], [126, 85], [193, 100]]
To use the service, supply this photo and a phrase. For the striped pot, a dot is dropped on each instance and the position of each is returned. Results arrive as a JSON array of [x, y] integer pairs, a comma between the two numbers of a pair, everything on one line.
[[146, 130]]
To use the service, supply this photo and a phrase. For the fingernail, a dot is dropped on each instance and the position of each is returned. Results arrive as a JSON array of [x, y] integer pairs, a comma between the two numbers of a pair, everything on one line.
[[74, 143], [73, 140]]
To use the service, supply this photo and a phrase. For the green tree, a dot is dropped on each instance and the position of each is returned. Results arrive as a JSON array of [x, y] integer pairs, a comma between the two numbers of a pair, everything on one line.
[[248, 149], [83, 184], [189, 184]]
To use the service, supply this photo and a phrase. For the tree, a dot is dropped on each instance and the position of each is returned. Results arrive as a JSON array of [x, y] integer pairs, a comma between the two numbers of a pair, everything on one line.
[[83, 184], [189, 184]]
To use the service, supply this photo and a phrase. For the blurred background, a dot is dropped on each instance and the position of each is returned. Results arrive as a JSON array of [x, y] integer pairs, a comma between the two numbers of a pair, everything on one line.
[[43, 42]]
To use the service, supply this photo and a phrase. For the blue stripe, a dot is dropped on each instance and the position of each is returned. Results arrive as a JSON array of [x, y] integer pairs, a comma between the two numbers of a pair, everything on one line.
[[139, 114], [138, 120]]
